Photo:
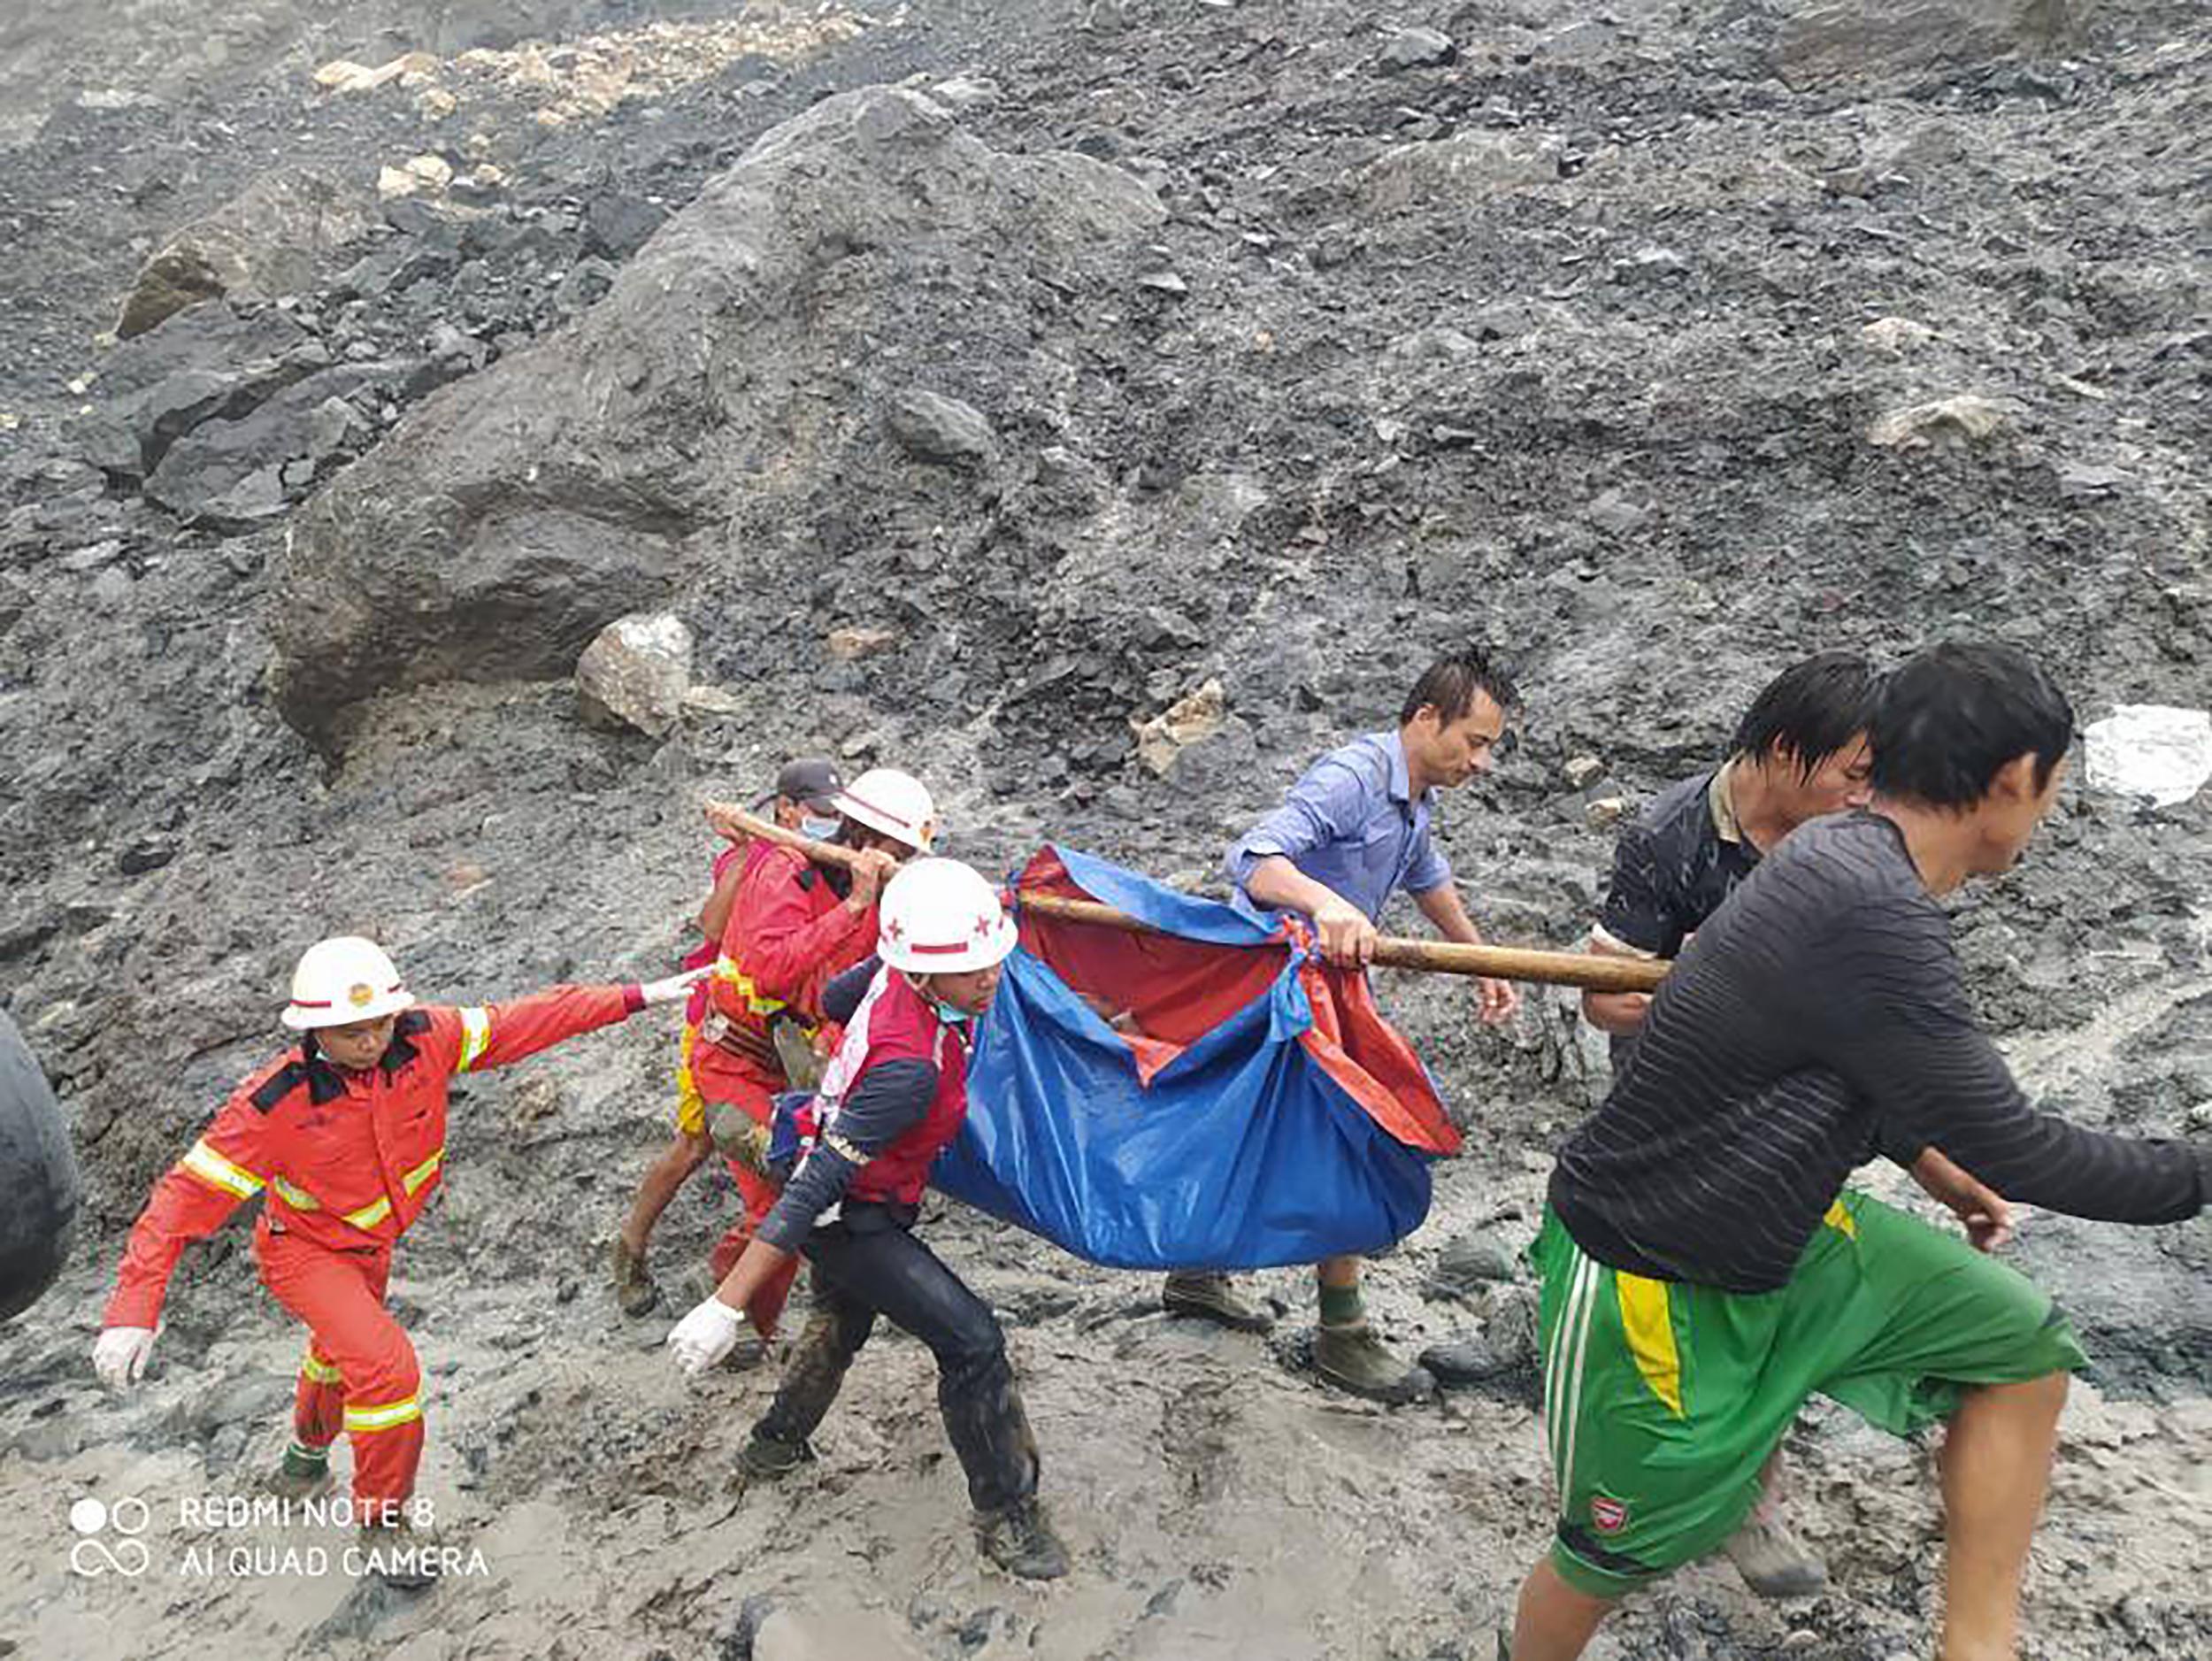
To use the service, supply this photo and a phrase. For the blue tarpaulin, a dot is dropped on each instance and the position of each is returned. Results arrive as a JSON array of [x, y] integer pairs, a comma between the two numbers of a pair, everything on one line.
[[1247, 1107]]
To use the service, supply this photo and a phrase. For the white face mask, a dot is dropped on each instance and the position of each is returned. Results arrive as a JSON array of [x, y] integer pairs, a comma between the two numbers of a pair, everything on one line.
[[821, 830]]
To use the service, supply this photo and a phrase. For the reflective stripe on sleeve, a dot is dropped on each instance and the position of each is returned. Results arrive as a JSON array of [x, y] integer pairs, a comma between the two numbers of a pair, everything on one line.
[[298, 1199], [727, 971], [369, 1215], [318, 1372], [476, 1037], [424, 1171], [211, 1168]]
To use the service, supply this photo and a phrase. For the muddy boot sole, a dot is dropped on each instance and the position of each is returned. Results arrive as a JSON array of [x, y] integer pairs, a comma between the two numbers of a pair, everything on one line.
[[635, 1291], [1210, 1298], [1371, 1373], [291, 1484], [764, 1459], [1767, 1552], [1776, 1578], [1023, 1544], [737, 1135], [392, 1556]]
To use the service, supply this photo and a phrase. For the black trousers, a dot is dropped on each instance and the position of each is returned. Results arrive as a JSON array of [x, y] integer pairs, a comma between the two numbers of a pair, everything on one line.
[[869, 1264]]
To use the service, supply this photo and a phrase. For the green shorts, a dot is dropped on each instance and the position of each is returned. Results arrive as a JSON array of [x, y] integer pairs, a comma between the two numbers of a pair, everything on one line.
[[1662, 1401]]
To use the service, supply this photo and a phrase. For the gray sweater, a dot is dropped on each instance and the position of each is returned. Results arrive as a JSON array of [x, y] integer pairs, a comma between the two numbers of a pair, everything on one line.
[[1817, 1019]]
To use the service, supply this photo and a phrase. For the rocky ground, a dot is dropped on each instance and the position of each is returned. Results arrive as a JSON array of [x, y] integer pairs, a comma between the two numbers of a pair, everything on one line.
[[1106, 410]]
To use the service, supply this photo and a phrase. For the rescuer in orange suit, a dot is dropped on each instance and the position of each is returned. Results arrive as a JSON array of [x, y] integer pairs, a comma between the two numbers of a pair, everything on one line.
[[344, 1135], [794, 928]]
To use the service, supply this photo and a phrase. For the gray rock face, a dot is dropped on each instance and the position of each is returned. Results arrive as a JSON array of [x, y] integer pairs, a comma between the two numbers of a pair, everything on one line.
[[230, 475], [1465, 167], [635, 673], [937, 428], [1830, 41], [267, 241], [1469, 1261], [205, 362], [728, 376], [1416, 49]]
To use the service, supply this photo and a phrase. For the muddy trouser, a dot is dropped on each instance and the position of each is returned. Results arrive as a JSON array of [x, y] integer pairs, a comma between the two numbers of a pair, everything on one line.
[[869, 1264]]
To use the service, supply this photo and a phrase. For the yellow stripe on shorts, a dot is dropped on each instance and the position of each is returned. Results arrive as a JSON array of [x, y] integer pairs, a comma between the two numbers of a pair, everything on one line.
[[1650, 1328]]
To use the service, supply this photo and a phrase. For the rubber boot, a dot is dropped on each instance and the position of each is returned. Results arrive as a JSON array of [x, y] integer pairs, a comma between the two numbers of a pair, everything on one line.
[[736, 1135], [811, 1378], [1351, 1357], [395, 1552], [304, 1475], [634, 1293], [1213, 1297], [763, 1457], [1021, 1541], [1769, 1556]]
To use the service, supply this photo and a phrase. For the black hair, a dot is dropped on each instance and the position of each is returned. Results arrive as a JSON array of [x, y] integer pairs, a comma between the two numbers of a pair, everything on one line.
[[1952, 717], [1812, 710], [1450, 684]]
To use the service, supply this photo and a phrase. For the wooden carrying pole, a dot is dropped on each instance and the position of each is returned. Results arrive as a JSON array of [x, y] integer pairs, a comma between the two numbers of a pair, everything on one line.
[[1585, 970]]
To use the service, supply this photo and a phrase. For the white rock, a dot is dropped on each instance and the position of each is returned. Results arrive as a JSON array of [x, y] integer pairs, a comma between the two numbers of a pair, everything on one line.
[[1896, 335], [636, 672], [965, 92], [1965, 419], [1195, 716], [2152, 750]]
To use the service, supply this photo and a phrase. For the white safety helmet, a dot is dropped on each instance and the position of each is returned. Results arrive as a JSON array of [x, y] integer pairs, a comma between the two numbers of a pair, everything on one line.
[[344, 980], [939, 916], [897, 803]]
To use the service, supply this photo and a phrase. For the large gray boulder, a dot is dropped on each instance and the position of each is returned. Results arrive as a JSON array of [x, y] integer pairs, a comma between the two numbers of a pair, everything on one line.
[[231, 474], [205, 363], [1843, 40], [267, 242], [729, 394]]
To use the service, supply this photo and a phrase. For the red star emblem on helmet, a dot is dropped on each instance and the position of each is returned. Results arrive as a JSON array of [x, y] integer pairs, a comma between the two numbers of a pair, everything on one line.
[[983, 926], [892, 929]]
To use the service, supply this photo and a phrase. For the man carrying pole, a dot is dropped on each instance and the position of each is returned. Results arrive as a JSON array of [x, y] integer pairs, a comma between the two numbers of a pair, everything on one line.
[[1706, 1270], [805, 800], [794, 926], [1353, 830], [1800, 752]]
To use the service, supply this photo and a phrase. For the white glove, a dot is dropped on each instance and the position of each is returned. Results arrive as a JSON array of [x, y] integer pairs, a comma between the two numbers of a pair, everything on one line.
[[119, 1355], [676, 987], [705, 1337]]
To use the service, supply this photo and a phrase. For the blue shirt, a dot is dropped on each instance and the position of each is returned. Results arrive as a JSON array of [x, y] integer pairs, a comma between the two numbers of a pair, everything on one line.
[[1352, 823]]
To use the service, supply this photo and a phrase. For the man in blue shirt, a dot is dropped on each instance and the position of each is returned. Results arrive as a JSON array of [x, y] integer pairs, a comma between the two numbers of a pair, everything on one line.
[[1353, 831]]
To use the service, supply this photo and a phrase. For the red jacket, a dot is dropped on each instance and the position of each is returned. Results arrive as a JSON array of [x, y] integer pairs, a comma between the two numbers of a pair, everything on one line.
[[347, 1159], [788, 936]]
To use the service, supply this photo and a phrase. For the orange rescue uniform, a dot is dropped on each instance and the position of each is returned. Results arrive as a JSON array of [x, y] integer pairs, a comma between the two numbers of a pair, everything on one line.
[[344, 1163], [788, 935]]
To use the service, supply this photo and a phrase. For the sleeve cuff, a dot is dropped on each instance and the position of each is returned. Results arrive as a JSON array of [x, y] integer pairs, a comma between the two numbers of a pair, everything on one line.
[[1606, 940], [783, 1230], [632, 999]]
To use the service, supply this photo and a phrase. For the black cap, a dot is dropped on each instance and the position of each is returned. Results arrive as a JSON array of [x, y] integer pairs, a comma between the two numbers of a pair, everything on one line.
[[809, 779]]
